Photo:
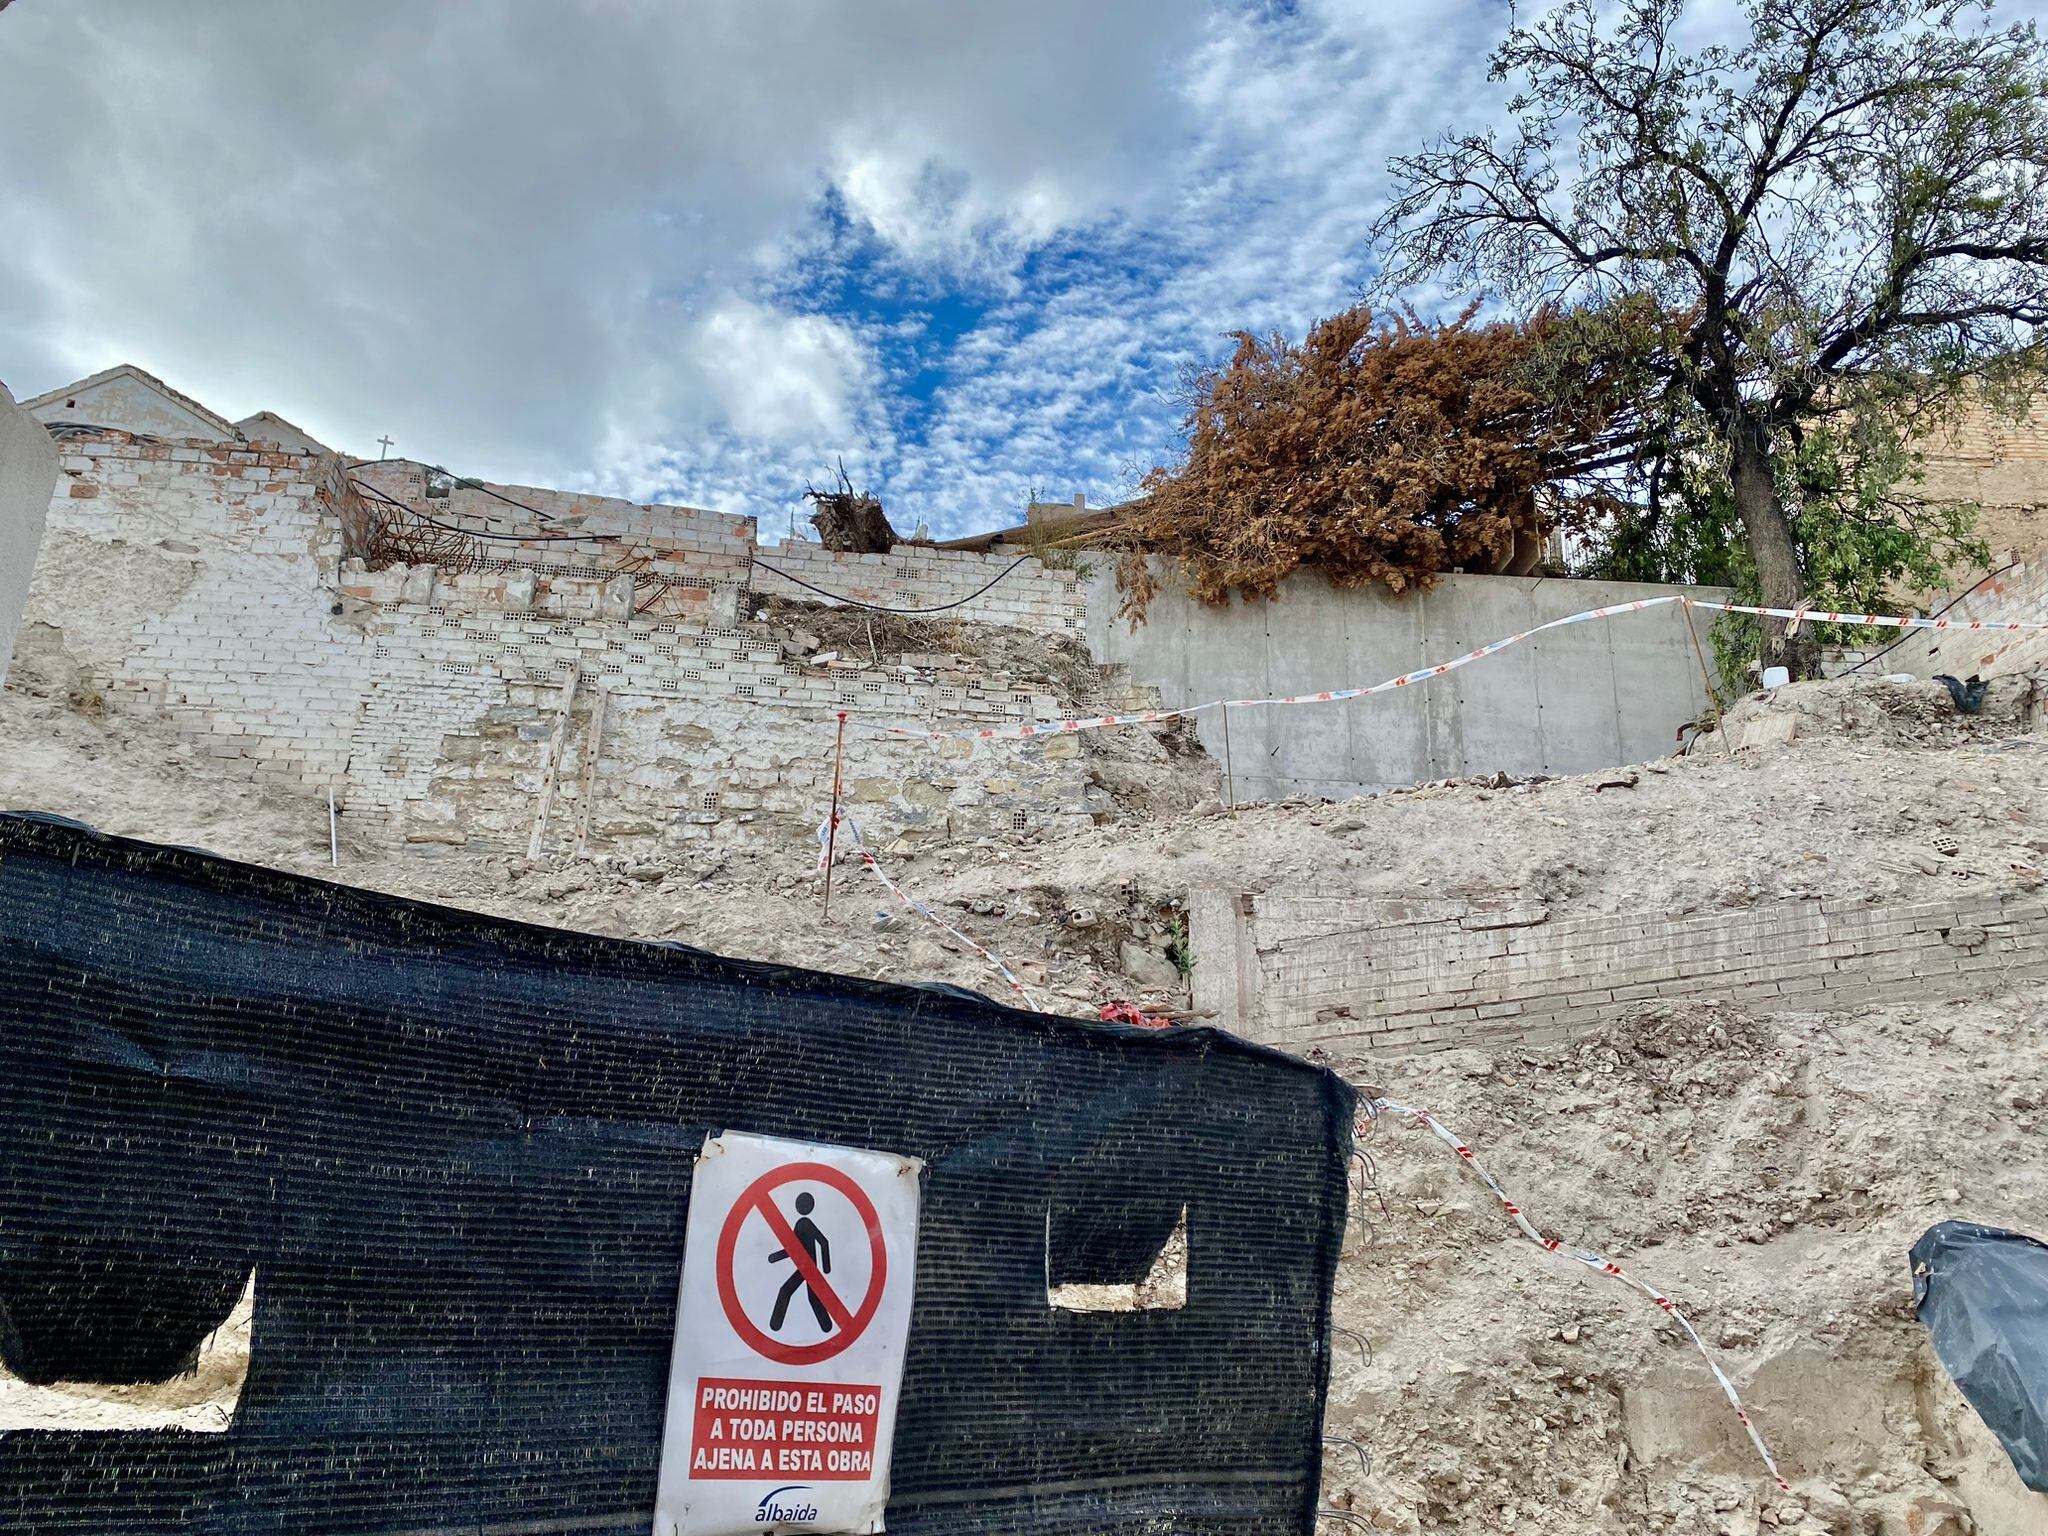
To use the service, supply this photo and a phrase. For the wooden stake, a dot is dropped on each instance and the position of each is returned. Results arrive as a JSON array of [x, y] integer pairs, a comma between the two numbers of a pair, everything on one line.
[[553, 771], [586, 790], [832, 821], [1706, 676], [1229, 774]]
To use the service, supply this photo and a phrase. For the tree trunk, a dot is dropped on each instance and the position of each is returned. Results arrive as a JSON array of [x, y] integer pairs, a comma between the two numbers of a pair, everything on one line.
[[1771, 546]]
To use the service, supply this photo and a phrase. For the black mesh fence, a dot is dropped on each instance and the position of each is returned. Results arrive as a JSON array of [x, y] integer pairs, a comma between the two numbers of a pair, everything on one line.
[[456, 1152]]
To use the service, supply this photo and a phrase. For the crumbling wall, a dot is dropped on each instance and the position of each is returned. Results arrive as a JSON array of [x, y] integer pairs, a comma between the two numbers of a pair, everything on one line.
[[709, 731], [28, 469], [1036, 596], [197, 579], [280, 608], [681, 558], [1959, 651], [214, 583], [1394, 975]]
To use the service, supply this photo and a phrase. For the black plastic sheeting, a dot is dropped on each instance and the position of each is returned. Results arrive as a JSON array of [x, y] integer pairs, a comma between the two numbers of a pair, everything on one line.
[[457, 1153], [1983, 1294]]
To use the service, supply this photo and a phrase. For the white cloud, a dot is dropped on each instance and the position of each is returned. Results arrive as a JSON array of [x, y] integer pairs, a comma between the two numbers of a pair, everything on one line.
[[1257, 224], [497, 230], [780, 378]]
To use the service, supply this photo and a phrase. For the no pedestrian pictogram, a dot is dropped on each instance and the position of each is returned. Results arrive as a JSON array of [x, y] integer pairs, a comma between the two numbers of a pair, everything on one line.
[[792, 1320], [806, 1244]]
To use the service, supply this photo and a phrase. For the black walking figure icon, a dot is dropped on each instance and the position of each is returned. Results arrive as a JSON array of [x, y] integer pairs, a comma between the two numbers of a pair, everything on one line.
[[819, 1247]]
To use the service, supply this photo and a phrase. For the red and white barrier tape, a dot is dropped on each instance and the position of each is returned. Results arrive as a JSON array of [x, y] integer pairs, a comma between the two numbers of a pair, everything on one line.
[[869, 863], [1424, 674], [1593, 1261], [1881, 620]]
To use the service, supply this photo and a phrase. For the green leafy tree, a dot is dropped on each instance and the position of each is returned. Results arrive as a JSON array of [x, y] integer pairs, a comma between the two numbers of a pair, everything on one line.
[[1837, 224]]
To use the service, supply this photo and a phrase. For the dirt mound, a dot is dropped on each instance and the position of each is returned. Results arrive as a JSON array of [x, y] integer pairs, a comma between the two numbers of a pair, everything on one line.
[[1874, 711]]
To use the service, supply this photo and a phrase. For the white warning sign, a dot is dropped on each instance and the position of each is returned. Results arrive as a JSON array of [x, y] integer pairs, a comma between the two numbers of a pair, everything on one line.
[[799, 1262]]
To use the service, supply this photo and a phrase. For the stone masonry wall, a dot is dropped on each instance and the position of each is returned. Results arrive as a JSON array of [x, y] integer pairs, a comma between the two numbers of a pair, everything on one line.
[[1399, 976], [713, 555], [684, 558], [214, 583], [708, 732]]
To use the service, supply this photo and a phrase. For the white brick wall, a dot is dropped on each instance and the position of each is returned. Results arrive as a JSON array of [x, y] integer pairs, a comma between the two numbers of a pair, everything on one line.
[[2020, 593], [464, 702], [249, 659], [696, 551], [1389, 975], [1033, 596]]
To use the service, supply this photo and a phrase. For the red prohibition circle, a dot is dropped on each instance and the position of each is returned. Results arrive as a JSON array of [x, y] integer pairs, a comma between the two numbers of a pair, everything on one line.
[[851, 1324]]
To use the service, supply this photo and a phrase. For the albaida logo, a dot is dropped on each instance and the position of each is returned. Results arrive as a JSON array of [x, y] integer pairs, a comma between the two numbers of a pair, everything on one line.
[[774, 1511]]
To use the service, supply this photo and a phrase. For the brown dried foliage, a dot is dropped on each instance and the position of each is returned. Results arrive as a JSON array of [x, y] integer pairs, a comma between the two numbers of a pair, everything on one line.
[[1374, 451]]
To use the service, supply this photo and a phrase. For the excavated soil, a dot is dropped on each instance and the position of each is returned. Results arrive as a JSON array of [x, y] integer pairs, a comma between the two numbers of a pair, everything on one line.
[[1768, 1172], [1768, 1175]]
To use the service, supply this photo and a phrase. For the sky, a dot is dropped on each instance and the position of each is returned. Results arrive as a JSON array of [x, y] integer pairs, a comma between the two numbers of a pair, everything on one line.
[[703, 251]]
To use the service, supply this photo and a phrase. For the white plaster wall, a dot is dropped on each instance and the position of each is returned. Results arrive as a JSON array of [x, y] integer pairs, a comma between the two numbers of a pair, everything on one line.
[[269, 427], [28, 473], [130, 405]]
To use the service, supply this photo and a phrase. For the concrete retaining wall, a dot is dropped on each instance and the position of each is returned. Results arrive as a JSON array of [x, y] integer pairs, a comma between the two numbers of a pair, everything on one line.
[[1394, 976], [28, 470], [1570, 701]]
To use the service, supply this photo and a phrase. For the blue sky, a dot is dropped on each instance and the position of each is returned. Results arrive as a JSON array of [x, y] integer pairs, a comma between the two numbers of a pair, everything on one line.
[[700, 252]]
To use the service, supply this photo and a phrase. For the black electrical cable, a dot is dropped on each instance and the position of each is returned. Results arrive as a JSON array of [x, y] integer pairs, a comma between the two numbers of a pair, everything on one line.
[[1905, 635], [479, 533], [74, 428], [478, 485], [851, 602], [854, 602]]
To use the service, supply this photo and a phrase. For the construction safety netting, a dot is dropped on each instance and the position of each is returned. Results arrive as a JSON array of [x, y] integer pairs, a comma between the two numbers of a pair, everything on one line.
[[447, 1159]]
